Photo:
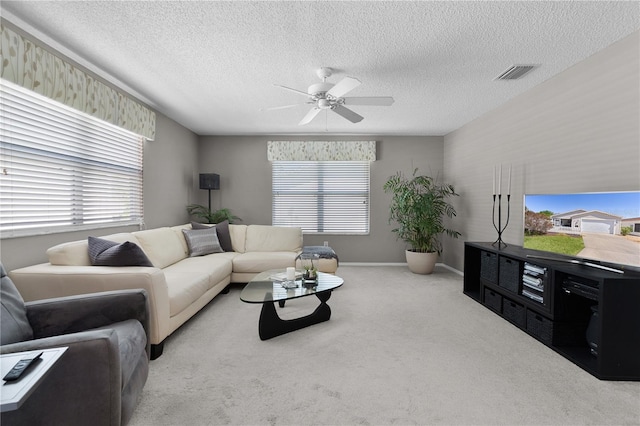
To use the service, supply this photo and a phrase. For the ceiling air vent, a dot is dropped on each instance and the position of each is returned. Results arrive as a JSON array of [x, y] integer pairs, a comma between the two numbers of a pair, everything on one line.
[[515, 72]]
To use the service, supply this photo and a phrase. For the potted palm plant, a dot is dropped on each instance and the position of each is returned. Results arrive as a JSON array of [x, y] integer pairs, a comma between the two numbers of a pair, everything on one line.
[[418, 206], [211, 216]]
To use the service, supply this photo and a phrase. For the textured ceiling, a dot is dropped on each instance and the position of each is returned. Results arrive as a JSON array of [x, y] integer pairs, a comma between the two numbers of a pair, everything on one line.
[[212, 66]]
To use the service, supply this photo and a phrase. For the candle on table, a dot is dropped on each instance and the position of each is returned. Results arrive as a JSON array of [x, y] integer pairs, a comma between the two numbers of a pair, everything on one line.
[[509, 187], [494, 180], [500, 181], [291, 273]]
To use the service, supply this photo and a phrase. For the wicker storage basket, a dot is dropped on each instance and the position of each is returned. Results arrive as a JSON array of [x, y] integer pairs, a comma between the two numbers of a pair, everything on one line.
[[540, 327], [510, 274], [489, 266], [514, 312], [493, 300]]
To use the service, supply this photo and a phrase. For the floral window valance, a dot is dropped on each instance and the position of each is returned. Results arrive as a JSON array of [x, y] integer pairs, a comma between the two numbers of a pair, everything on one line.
[[321, 150], [33, 67]]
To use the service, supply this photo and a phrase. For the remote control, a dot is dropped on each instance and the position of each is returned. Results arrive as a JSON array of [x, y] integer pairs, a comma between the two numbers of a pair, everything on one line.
[[16, 372]]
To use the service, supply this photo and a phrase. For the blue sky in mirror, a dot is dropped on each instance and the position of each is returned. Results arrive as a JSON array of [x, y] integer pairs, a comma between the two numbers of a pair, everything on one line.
[[625, 204]]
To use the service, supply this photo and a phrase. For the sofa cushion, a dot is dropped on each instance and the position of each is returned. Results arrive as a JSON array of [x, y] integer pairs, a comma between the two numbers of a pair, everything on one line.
[[178, 231], [73, 253], [273, 238], [76, 253], [192, 277], [263, 261], [162, 246], [109, 253], [238, 235], [13, 314], [202, 241]]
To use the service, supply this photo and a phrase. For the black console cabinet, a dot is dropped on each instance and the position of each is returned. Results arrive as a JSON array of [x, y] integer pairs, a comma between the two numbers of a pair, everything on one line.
[[588, 315]]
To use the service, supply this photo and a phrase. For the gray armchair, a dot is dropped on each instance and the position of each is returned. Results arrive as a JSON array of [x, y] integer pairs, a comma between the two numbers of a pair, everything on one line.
[[99, 379]]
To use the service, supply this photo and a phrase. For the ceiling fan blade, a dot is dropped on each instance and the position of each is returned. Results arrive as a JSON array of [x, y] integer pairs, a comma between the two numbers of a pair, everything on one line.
[[372, 100], [347, 113], [283, 107], [344, 86], [293, 90], [310, 116]]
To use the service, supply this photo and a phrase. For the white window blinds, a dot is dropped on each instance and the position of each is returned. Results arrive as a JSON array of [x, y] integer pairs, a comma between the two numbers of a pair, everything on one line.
[[321, 196], [63, 170]]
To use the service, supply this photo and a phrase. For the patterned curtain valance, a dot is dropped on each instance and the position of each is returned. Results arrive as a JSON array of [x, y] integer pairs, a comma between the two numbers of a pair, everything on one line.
[[35, 68], [321, 150]]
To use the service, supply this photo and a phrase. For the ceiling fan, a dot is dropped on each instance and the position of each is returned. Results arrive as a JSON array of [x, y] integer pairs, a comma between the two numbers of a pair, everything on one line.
[[329, 96]]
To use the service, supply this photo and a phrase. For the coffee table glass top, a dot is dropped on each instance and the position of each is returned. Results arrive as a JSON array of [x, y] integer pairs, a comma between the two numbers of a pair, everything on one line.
[[263, 289]]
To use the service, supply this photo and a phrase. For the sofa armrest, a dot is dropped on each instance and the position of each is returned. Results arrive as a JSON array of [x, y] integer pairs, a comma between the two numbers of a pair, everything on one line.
[[83, 387], [71, 314], [47, 281]]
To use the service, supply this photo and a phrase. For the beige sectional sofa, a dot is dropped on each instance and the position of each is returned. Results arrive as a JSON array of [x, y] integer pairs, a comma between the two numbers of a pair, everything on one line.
[[178, 285]]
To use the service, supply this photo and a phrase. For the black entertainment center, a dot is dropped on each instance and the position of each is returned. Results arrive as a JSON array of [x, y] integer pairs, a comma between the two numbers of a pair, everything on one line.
[[589, 315]]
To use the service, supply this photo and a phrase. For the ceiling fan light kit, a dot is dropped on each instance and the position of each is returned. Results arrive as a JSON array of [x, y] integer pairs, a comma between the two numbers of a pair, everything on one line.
[[328, 96], [324, 104]]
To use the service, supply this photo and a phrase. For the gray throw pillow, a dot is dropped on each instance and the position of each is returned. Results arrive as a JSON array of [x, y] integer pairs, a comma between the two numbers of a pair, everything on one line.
[[109, 253], [198, 225], [202, 241], [223, 235], [222, 229], [13, 315]]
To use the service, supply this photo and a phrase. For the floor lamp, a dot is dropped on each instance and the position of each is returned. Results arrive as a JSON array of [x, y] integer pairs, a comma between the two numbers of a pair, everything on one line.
[[209, 181]]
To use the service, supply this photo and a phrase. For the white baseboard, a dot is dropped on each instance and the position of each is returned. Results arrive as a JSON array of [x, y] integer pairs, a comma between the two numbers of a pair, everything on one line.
[[454, 270], [397, 264]]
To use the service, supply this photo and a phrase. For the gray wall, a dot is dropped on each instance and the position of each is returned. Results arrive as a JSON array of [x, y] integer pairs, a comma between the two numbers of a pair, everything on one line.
[[168, 164], [576, 132], [245, 185]]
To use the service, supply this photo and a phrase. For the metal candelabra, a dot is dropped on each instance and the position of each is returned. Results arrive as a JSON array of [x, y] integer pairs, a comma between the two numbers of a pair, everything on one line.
[[499, 243]]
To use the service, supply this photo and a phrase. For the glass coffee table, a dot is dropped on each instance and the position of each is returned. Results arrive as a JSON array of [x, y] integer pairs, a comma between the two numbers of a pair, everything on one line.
[[268, 291]]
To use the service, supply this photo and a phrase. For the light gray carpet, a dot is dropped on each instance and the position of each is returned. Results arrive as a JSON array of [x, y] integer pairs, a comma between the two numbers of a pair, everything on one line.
[[399, 349]]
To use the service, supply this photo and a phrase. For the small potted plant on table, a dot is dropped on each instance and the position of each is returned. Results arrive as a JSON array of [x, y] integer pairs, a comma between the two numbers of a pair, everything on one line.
[[310, 273]]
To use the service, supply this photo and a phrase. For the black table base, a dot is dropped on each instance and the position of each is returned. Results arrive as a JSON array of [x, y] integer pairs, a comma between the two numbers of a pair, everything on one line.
[[271, 325]]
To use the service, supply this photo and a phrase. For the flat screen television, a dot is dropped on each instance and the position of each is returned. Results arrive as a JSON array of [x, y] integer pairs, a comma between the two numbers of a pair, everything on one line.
[[598, 229]]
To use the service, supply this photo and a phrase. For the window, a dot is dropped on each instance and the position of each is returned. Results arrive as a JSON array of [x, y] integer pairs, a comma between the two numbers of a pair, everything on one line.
[[62, 170], [321, 196]]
